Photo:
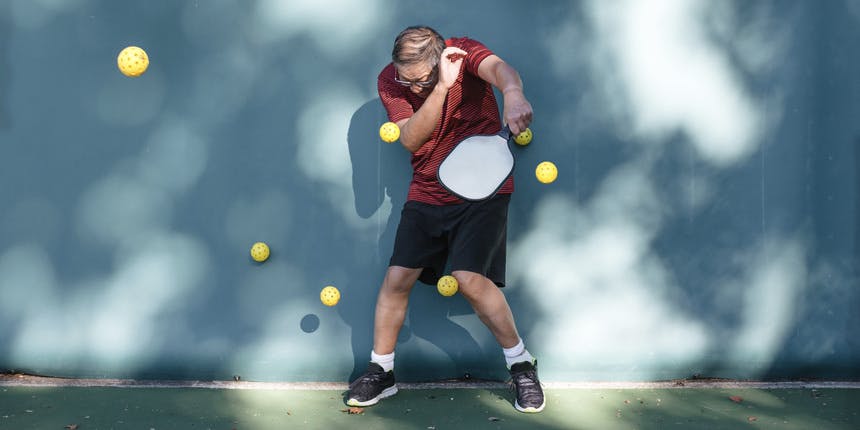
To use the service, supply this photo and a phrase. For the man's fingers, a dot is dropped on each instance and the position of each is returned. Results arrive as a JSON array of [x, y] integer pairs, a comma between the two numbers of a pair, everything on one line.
[[516, 127], [454, 54], [519, 124]]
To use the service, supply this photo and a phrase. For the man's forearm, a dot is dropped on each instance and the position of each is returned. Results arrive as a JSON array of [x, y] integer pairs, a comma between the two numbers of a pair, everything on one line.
[[507, 79], [418, 129]]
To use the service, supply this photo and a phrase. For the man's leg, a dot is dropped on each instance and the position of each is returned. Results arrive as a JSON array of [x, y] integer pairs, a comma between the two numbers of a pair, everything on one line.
[[493, 309], [391, 307], [378, 381], [490, 305]]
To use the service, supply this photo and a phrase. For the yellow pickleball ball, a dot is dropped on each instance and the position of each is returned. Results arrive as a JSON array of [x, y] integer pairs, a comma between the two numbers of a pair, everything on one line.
[[329, 296], [389, 132], [132, 61], [260, 252], [447, 285], [546, 172], [524, 138]]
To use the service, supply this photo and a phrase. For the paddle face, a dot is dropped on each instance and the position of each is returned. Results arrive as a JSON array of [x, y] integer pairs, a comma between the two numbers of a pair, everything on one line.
[[478, 166]]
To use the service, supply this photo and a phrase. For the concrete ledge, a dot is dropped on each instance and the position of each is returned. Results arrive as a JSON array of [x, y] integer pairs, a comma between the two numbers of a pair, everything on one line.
[[21, 380]]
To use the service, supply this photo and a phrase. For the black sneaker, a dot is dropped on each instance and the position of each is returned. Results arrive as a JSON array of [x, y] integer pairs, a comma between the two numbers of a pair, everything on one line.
[[529, 392], [370, 388]]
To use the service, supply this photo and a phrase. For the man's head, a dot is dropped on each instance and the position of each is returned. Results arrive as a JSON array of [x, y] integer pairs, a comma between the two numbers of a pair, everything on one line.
[[416, 56]]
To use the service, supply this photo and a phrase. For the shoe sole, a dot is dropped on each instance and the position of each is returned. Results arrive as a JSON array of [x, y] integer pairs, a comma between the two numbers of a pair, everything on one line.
[[388, 392], [529, 410]]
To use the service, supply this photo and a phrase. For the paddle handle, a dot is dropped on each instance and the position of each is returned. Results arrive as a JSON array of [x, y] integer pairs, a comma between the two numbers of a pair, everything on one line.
[[506, 132]]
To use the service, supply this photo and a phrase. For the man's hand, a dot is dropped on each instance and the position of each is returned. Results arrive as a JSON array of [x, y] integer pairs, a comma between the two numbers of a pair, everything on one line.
[[517, 110], [449, 66]]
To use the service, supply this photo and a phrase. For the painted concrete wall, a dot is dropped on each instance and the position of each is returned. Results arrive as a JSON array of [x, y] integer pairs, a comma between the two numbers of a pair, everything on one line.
[[705, 218]]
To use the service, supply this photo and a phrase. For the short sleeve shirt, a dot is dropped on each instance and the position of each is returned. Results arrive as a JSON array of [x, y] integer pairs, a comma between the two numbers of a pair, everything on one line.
[[470, 108]]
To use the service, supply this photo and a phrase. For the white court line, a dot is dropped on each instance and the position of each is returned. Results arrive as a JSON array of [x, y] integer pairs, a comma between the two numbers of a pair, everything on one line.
[[39, 381]]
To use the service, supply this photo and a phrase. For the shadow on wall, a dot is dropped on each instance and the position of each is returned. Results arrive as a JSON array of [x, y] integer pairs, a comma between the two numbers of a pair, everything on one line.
[[381, 176]]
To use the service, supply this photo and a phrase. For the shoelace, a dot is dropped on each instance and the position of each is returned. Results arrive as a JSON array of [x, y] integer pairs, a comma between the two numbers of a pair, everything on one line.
[[526, 380], [367, 378]]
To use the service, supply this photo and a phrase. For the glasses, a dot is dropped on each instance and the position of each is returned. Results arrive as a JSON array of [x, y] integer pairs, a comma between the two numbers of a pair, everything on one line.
[[429, 82]]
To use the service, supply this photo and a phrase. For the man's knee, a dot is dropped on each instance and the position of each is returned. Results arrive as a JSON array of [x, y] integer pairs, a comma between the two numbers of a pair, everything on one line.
[[471, 284], [400, 279]]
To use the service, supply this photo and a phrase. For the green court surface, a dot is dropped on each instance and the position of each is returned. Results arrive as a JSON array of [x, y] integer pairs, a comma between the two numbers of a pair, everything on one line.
[[77, 407]]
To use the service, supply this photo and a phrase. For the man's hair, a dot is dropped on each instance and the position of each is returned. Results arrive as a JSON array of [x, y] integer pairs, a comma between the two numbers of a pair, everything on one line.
[[417, 44]]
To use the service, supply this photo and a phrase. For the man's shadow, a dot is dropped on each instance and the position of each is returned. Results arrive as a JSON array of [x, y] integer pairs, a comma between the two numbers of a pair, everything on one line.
[[380, 169]]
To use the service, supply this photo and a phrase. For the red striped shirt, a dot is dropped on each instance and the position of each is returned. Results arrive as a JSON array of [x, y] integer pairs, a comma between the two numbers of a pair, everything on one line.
[[470, 108]]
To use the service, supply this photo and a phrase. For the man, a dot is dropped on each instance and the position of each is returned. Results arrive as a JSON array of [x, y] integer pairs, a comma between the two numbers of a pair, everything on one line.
[[439, 92]]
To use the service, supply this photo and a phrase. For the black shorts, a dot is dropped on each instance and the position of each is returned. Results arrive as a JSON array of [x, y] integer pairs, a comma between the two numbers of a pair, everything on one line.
[[473, 235]]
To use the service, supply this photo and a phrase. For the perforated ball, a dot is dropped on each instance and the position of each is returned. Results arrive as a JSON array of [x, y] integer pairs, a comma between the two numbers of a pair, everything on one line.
[[524, 138], [447, 285], [329, 296], [132, 61], [260, 252], [546, 172], [389, 132]]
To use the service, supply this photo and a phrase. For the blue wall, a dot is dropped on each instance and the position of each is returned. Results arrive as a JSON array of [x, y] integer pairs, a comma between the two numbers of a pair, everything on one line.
[[705, 218]]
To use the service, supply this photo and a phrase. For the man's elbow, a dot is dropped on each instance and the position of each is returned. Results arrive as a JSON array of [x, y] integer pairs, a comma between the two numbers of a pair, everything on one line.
[[410, 142], [410, 146]]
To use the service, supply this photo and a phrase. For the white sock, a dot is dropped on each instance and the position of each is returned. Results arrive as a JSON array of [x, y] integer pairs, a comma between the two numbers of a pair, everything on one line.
[[386, 360], [516, 354]]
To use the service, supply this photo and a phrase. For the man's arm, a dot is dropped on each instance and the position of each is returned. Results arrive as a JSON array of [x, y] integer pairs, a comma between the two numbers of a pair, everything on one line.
[[416, 130], [517, 110]]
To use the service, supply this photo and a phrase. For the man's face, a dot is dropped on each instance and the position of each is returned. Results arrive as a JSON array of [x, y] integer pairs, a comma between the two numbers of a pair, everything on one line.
[[420, 78]]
